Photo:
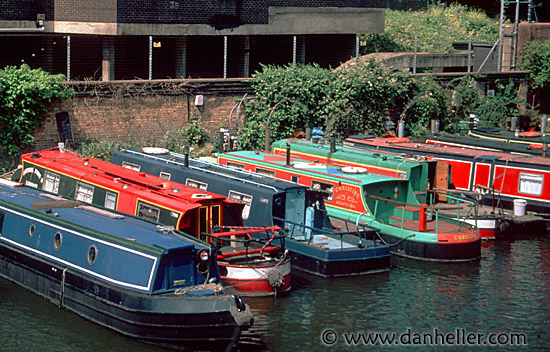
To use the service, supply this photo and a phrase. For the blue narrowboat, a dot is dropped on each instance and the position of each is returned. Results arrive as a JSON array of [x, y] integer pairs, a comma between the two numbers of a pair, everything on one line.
[[124, 273], [319, 244]]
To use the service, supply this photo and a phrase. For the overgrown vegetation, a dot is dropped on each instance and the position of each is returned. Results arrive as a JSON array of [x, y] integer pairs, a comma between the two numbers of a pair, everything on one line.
[[535, 58], [436, 27], [193, 136], [25, 96], [361, 98]]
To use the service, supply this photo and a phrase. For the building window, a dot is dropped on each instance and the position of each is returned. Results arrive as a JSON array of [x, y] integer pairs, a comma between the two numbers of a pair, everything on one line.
[[194, 183], [145, 211], [242, 198], [110, 200], [326, 189], [235, 165], [84, 192], [51, 182], [131, 166], [165, 175], [530, 183], [265, 172]]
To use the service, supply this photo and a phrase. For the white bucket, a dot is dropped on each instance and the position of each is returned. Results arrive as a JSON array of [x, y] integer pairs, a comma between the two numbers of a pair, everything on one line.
[[519, 207]]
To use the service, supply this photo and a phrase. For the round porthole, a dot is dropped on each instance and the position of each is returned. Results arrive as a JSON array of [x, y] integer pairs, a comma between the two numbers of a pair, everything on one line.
[[92, 254], [57, 239], [31, 230]]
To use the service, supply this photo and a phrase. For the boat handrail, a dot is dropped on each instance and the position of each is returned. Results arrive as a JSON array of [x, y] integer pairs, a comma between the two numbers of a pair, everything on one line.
[[213, 165], [359, 233], [264, 242], [432, 207]]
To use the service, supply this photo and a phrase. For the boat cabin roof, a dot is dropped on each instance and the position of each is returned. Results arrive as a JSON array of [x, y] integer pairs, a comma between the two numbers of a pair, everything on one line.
[[107, 225], [121, 179], [325, 170], [434, 148], [206, 166]]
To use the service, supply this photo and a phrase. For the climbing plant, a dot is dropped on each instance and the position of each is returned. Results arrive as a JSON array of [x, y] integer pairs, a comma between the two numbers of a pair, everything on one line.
[[25, 96]]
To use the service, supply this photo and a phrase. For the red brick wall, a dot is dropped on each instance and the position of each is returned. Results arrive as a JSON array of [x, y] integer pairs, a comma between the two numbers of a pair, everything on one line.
[[139, 118]]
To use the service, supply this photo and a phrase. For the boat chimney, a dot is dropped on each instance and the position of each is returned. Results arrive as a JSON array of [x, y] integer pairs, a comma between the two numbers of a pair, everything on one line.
[[117, 147], [513, 123], [332, 142], [308, 133], [288, 153], [186, 156]]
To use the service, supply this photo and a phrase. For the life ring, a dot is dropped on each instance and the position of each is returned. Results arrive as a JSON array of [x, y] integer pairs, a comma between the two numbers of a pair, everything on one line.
[[529, 134], [154, 150], [354, 170], [396, 140]]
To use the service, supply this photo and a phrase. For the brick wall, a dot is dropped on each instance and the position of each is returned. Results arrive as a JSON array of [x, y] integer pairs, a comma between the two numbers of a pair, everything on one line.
[[202, 11], [143, 118], [25, 10]]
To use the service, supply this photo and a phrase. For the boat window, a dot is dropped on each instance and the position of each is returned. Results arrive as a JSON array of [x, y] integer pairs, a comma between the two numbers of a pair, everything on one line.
[[326, 188], [148, 212], [51, 182], [265, 172], [215, 215], [84, 192], [131, 166], [57, 239], [203, 220], [235, 165], [196, 184], [110, 200], [294, 178], [242, 198], [92, 254], [530, 183], [165, 175], [31, 229]]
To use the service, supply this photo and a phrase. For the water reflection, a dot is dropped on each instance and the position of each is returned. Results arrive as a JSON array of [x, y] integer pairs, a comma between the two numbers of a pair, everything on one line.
[[504, 292]]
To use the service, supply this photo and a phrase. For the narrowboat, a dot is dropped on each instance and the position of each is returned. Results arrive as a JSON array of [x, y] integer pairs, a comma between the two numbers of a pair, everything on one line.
[[422, 172], [118, 271], [336, 248], [251, 260], [384, 202], [495, 140], [533, 139], [100, 183], [514, 188]]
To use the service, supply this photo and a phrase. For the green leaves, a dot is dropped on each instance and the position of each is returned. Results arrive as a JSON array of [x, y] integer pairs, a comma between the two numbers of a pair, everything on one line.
[[436, 27], [25, 96], [535, 58]]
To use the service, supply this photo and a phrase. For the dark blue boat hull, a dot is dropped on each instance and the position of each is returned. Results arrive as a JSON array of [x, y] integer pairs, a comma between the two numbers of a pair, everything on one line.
[[153, 319]]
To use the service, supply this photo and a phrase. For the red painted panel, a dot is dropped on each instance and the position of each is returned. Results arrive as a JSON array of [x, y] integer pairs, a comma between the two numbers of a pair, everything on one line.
[[482, 175]]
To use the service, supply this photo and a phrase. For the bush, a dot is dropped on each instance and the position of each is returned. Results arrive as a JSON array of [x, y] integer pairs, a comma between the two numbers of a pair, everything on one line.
[[25, 96]]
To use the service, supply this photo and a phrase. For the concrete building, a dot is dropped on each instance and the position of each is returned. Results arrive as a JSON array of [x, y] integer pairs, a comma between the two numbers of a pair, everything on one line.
[[159, 39]]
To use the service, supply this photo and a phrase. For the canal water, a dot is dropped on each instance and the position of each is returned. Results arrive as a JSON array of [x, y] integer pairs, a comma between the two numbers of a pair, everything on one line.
[[502, 299]]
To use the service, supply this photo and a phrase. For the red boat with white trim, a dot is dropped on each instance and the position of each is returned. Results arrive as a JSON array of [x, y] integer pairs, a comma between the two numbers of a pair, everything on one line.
[[170, 204], [251, 261], [515, 187]]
